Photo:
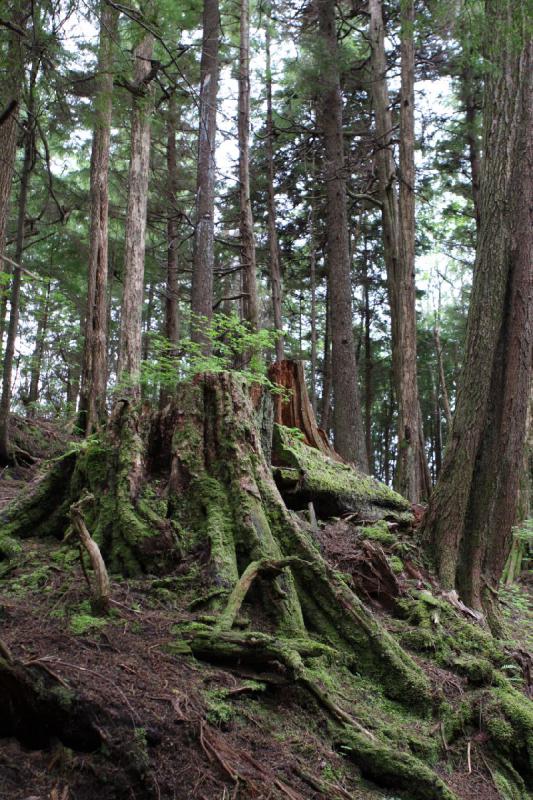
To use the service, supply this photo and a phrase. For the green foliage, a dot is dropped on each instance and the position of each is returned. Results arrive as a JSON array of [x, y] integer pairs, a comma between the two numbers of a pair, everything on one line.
[[231, 342]]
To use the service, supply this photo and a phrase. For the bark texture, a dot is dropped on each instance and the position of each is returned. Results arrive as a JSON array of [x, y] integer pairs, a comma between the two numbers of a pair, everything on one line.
[[347, 419], [204, 235], [398, 212], [28, 163], [469, 520], [273, 244], [129, 358], [250, 302], [92, 411]]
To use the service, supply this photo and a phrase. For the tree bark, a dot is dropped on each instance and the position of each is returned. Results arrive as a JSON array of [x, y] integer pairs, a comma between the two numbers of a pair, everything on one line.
[[470, 517], [92, 411], [204, 235], [250, 303], [129, 357], [172, 288], [347, 420], [273, 244], [11, 94], [412, 474], [6, 455]]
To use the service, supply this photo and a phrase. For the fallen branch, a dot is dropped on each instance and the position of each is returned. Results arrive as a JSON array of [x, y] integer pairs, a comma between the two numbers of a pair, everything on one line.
[[101, 588]]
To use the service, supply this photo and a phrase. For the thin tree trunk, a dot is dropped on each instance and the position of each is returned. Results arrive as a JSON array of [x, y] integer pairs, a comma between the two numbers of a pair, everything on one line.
[[348, 423], [129, 357], [470, 104], [412, 474], [93, 410], [369, 368], [38, 351], [148, 322], [172, 289], [442, 378], [27, 166], [246, 222], [471, 514], [325, 415], [312, 276], [273, 245], [204, 236]]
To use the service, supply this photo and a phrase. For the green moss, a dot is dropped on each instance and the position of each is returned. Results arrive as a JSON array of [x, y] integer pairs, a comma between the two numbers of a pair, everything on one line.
[[378, 532], [477, 670], [508, 718], [9, 547], [321, 474], [82, 623]]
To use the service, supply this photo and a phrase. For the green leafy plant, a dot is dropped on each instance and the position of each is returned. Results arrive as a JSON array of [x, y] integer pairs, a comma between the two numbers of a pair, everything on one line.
[[231, 343]]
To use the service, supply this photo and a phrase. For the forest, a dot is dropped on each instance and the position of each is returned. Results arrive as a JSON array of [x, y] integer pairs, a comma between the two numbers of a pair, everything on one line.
[[266, 408]]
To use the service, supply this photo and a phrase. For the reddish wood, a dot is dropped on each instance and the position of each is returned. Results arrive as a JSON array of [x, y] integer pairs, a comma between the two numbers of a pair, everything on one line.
[[296, 411]]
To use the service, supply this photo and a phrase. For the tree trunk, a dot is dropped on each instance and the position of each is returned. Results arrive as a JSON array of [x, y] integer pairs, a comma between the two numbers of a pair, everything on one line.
[[347, 419], [93, 410], [38, 352], [172, 289], [470, 104], [412, 474], [273, 245], [312, 277], [369, 369], [325, 415], [470, 517], [6, 455], [204, 235], [250, 302], [148, 322], [11, 95], [129, 357]]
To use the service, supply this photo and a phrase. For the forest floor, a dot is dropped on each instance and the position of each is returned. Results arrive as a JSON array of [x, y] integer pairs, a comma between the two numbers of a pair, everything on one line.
[[167, 726]]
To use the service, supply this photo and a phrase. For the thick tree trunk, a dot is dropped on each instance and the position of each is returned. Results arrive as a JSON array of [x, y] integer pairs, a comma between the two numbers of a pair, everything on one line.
[[93, 410], [273, 245], [10, 94], [348, 424], [412, 474], [6, 455], [129, 357], [204, 235], [250, 304], [470, 517]]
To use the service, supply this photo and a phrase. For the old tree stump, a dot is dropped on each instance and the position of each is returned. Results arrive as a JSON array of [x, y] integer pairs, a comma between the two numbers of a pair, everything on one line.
[[190, 489]]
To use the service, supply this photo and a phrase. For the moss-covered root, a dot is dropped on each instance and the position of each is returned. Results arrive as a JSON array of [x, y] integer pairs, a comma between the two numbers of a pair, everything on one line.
[[390, 768], [386, 766], [508, 718], [42, 509]]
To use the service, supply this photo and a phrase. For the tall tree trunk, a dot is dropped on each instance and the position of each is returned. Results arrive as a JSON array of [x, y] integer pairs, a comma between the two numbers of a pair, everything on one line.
[[442, 378], [204, 235], [92, 411], [250, 303], [312, 276], [470, 105], [471, 514], [348, 423], [28, 163], [129, 357], [273, 245], [38, 351], [369, 368], [412, 475], [11, 93], [172, 289], [325, 412], [148, 322]]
